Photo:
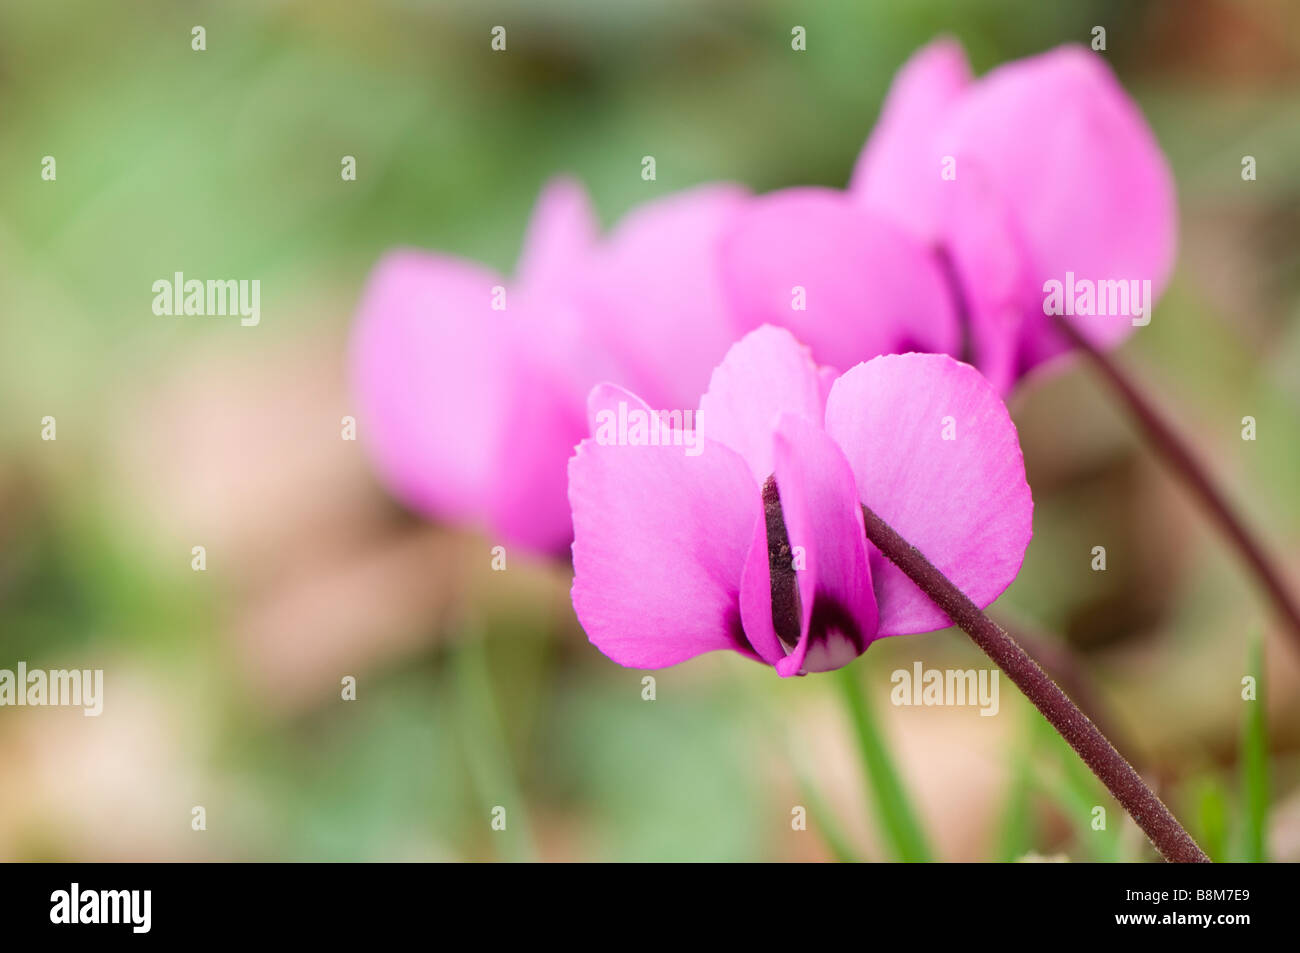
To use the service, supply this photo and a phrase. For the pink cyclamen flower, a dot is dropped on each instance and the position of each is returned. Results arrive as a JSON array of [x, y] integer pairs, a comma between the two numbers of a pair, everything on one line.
[[1042, 171], [752, 538], [472, 388]]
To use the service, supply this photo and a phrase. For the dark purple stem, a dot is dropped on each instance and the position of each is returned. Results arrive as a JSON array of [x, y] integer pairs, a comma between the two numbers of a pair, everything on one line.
[[1180, 457], [1083, 736]]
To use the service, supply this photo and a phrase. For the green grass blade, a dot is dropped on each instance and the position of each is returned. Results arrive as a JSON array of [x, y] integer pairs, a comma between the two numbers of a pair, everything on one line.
[[1016, 835], [827, 824], [486, 751], [893, 808], [1254, 764], [1075, 792], [1212, 818]]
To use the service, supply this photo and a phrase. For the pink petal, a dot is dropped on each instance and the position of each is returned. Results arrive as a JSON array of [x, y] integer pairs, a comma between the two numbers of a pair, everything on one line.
[[987, 262], [605, 398], [560, 235], [848, 283], [660, 540], [655, 296], [610, 413], [469, 413], [1082, 174], [528, 502], [963, 503], [430, 379], [823, 520], [898, 170], [765, 373]]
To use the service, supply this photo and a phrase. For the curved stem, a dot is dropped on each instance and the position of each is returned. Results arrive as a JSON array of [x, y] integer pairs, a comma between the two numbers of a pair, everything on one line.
[[1179, 455], [1109, 765]]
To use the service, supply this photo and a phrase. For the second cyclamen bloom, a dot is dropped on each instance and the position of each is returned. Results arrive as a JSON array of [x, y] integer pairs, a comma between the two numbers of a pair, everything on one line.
[[755, 541]]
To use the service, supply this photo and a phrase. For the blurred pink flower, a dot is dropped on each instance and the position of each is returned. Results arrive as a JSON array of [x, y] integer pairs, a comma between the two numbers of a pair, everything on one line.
[[674, 551], [1051, 169], [471, 411], [848, 283]]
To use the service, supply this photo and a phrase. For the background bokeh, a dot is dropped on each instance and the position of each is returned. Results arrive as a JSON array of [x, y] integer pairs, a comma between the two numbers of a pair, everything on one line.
[[477, 688]]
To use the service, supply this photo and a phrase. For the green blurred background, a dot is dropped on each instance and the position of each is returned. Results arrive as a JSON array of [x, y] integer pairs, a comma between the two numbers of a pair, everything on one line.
[[477, 688]]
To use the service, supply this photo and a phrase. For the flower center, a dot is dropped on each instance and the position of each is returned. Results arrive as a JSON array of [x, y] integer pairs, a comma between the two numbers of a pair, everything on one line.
[[834, 636], [786, 606]]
